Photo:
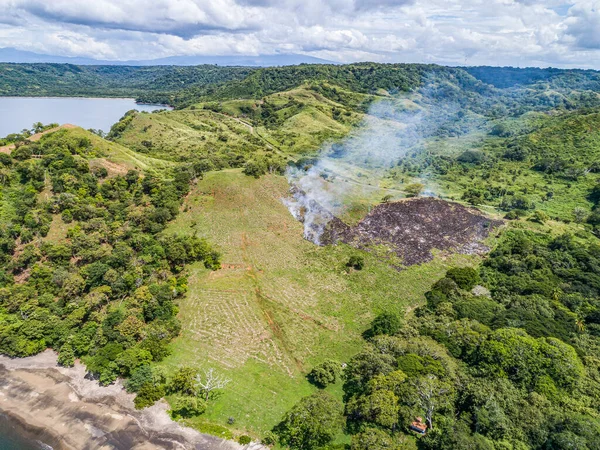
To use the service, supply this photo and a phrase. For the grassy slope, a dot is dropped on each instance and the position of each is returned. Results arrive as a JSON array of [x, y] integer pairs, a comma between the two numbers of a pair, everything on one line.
[[302, 126], [117, 158], [280, 305]]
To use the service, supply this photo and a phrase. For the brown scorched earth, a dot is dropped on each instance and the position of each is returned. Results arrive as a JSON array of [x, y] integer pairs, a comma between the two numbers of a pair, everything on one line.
[[413, 228]]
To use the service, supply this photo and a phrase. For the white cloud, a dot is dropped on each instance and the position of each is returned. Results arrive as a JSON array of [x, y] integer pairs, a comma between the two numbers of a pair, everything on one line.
[[498, 32]]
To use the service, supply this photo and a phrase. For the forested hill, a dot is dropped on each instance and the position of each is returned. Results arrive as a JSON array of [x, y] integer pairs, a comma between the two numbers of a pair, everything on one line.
[[183, 86], [162, 253], [110, 81]]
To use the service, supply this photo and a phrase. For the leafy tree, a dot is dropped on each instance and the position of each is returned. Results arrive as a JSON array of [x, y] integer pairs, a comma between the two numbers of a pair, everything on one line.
[[312, 423], [184, 381], [66, 356], [325, 373], [148, 395], [384, 323], [414, 189], [465, 277]]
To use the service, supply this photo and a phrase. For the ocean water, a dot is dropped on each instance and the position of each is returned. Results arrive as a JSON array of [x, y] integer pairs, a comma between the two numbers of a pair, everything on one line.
[[13, 437], [18, 113]]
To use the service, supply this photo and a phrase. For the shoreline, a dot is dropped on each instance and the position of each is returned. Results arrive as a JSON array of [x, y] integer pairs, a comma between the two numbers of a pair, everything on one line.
[[86, 97], [61, 408]]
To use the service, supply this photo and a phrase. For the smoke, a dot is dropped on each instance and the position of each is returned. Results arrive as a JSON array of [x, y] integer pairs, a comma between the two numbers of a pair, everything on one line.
[[392, 129]]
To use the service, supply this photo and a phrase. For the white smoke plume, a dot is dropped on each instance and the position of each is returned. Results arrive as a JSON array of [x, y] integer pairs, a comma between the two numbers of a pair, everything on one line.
[[392, 128]]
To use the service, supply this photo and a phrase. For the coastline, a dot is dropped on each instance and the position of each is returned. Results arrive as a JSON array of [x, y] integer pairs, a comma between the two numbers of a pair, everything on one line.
[[86, 97], [61, 408]]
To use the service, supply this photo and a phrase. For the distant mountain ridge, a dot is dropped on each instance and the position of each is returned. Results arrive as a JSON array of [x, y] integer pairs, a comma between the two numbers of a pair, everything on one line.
[[12, 55]]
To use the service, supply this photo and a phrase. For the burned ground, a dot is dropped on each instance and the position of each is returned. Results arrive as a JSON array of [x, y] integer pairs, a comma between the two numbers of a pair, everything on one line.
[[413, 228]]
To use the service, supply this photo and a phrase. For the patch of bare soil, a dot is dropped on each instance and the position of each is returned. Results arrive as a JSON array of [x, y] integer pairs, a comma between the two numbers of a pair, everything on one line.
[[412, 228]]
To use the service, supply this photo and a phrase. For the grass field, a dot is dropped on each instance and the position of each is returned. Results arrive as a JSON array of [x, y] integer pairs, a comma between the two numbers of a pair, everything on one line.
[[279, 305]]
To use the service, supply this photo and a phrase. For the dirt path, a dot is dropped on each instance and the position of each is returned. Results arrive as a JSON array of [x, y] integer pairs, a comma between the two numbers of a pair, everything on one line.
[[36, 137]]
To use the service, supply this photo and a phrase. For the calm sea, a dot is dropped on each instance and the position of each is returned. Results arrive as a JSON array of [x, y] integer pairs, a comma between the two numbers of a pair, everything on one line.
[[13, 437], [17, 113]]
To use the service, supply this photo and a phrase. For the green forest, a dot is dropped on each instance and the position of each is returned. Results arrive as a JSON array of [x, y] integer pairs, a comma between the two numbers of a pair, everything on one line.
[[112, 246]]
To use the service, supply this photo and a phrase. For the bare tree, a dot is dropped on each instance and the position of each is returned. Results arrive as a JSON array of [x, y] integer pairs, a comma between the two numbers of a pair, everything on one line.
[[210, 382], [431, 395]]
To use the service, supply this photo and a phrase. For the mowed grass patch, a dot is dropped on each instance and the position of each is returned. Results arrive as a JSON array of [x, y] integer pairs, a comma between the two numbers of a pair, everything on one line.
[[280, 304]]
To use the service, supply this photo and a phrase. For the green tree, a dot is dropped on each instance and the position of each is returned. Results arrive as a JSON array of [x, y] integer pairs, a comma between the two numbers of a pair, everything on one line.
[[325, 373], [312, 423], [66, 355], [184, 381], [385, 323], [414, 189], [465, 277]]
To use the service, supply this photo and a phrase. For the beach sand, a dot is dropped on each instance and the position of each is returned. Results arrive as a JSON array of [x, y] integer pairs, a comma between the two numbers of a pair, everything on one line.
[[68, 411]]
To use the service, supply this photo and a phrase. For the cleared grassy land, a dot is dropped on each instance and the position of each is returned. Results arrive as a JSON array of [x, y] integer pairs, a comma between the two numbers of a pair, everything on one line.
[[229, 132], [118, 159], [280, 304]]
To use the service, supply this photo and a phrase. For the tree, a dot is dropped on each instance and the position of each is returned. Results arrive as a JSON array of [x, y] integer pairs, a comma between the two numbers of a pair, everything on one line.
[[465, 277], [414, 189], [210, 382], [255, 168], [376, 439], [385, 323], [379, 407], [312, 423], [66, 356], [432, 395], [184, 381], [580, 214], [325, 373], [148, 395]]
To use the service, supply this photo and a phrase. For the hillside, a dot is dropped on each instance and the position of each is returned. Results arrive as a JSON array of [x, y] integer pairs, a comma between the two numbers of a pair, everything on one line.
[[359, 245]]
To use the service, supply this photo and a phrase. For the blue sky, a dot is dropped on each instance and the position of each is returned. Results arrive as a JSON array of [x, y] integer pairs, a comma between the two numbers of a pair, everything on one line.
[[492, 32]]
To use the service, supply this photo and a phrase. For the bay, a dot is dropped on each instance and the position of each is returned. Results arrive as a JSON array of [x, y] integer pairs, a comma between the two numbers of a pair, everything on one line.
[[18, 113]]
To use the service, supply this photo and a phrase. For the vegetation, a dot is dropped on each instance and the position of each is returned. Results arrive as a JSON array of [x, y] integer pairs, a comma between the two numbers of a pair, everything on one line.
[[108, 253], [105, 288]]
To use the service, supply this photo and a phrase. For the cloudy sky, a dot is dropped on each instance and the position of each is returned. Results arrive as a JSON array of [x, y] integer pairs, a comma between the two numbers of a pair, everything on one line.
[[456, 32]]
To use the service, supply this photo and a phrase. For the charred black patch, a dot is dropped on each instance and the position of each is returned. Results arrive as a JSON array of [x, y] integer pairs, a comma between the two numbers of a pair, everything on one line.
[[412, 228]]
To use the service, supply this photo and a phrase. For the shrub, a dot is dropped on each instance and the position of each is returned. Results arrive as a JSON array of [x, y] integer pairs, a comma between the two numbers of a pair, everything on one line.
[[269, 438], [244, 439], [414, 189], [356, 262]]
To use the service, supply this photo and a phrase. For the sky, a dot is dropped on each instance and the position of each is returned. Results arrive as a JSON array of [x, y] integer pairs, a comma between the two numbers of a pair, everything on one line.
[[522, 33]]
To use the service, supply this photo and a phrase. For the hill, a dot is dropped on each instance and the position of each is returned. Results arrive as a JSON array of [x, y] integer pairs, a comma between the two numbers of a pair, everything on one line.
[[188, 246], [12, 55]]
